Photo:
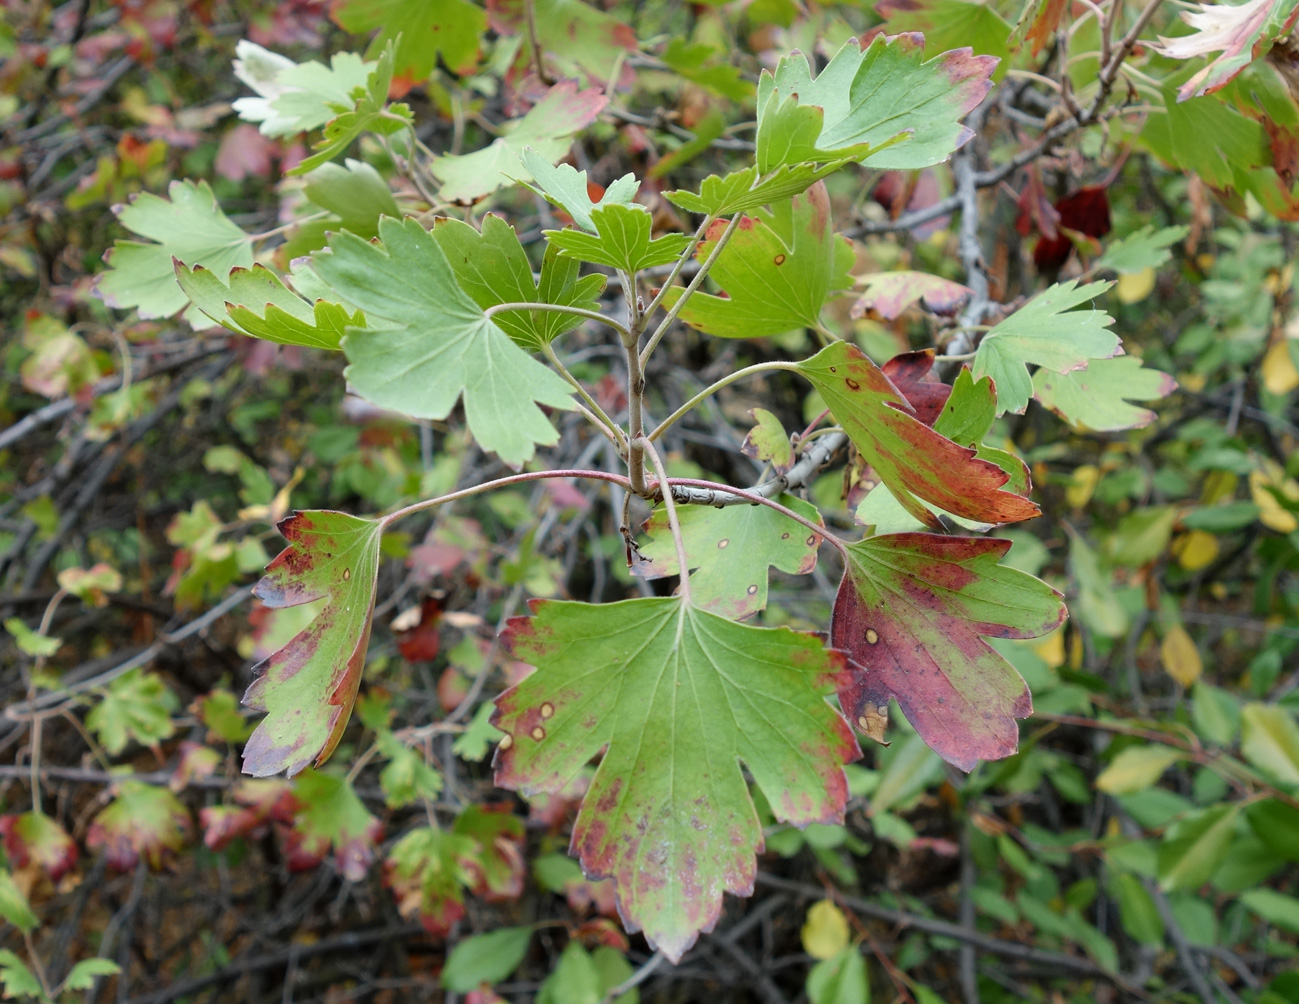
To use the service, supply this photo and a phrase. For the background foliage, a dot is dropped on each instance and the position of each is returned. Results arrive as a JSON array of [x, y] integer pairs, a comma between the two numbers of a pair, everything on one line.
[[1141, 844]]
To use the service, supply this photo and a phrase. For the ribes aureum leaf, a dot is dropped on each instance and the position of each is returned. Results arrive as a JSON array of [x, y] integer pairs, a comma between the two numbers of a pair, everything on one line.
[[677, 698], [366, 110], [190, 226], [1142, 249], [577, 38], [741, 191], [256, 302], [420, 30], [948, 24], [890, 293], [621, 241], [565, 186], [136, 706], [769, 442], [1097, 397], [885, 106], [548, 127], [295, 97], [778, 270], [912, 613], [331, 815], [492, 267], [1242, 33], [428, 343], [354, 196], [33, 838], [965, 418], [1046, 332], [729, 551], [918, 464], [142, 821], [308, 687]]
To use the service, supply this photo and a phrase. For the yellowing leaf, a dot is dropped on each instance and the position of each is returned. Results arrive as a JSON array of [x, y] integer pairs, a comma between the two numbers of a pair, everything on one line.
[[1279, 373], [1083, 482], [1136, 768], [1195, 549], [1133, 287], [1180, 657], [825, 934], [1263, 486]]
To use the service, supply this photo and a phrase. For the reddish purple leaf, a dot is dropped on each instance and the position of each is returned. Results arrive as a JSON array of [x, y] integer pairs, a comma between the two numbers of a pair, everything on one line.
[[912, 613], [890, 293], [912, 373], [35, 838]]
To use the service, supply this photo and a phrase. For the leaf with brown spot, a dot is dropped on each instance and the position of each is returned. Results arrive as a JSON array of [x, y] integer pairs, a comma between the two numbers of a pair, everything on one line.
[[778, 271], [729, 550], [912, 612], [918, 464], [677, 698], [308, 687]]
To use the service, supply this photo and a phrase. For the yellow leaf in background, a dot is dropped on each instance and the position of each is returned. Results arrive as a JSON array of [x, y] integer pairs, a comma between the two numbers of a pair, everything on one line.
[[1195, 549], [1180, 657], [1136, 768], [1279, 373], [825, 934], [1079, 492], [1194, 382], [1134, 287], [1051, 649], [1271, 513]]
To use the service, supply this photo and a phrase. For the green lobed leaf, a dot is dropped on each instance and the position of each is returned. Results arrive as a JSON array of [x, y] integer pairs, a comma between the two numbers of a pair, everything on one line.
[[1048, 333], [136, 706], [916, 462], [1142, 249], [407, 778], [492, 267], [676, 697], [330, 814], [428, 871], [882, 106], [912, 613], [429, 344], [189, 226], [742, 191], [33, 838], [565, 186], [948, 24], [729, 551], [31, 642], [82, 976], [257, 303], [15, 977], [579, 39], [420, 31], [1096, 397], [295, 97], [548, 128], [366, 110], [485, 958], [308, 687], [622, 240], [353, 193], [778, 270]]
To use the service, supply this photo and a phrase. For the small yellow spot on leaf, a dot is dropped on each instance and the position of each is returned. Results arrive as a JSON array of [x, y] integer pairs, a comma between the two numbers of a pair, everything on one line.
[[547, 710], [872, 636], [723, 544], [506, 742], [347, 574], [538, 733]]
